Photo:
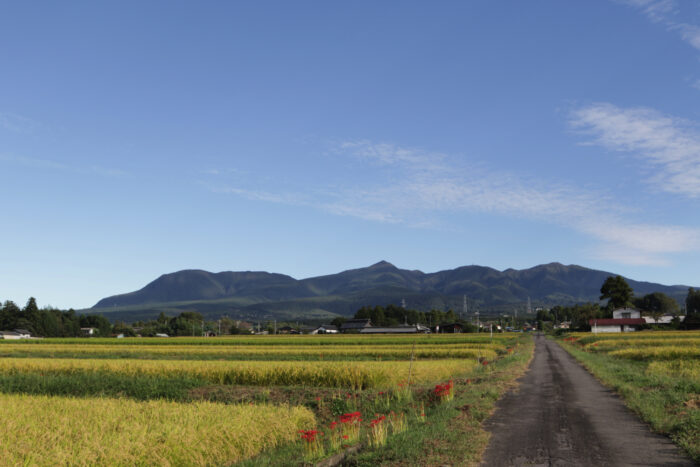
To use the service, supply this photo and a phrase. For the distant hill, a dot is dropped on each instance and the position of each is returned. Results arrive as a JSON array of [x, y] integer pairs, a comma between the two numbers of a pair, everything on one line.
[[264, 295]]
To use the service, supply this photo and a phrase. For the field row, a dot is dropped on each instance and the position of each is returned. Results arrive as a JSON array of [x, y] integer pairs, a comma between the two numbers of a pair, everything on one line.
[[47, 431], [355, 375], [258, 352], [284, 340]]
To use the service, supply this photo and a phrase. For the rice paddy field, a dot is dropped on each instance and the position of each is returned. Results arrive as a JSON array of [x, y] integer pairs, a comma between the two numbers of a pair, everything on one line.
[[656, 372], [262, 400]]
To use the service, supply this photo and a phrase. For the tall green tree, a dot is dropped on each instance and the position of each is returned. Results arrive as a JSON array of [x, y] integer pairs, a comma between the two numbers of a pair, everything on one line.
[[657, 304], [692, 302], [617, 291]]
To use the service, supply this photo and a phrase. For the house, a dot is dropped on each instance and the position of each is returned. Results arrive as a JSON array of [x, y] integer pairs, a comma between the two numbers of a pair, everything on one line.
[[23, 333], [616, 324], [355, 325], [11, 335], [623, 320], [287, 330], [626, 313], [161, 334], [325, 329], [88, 332], [663, 320], [406, 329], [563, 325], [449, 328]]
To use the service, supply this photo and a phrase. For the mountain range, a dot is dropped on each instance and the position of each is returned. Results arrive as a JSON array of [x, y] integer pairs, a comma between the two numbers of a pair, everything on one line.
[[255, 295]]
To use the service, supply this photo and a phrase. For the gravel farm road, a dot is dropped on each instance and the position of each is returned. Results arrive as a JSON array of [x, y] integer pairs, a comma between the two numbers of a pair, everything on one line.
[[560, 415]]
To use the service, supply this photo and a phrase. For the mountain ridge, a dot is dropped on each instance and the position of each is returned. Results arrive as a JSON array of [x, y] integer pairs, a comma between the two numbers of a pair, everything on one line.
[[260, 293]]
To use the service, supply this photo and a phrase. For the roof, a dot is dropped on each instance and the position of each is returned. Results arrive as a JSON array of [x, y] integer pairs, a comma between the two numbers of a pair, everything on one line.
[[327, 326], [617, 322], [356, 324], [390, 330]]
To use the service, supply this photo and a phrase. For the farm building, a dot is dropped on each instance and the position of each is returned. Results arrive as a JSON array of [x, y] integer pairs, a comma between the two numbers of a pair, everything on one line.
[[665, 319], [11, 335], [88, 332], [616, 324], [406, 329], [355, 325], [325, 329], [448, 328]]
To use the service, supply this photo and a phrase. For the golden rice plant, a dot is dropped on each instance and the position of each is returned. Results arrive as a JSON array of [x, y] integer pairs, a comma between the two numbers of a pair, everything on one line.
[[660, 353], [615, 344], [48, 431], [246, 351], [682, 369], [356, 374], [279, 340]]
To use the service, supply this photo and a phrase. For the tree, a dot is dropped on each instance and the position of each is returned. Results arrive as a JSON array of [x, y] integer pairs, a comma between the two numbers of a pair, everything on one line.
[[338, 321], [617, 291], [658, 304], [692, 302]]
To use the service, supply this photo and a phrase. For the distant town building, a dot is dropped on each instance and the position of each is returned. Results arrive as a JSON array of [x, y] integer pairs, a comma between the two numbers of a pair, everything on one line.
[[355, 325], [415, 329], [325, 329]]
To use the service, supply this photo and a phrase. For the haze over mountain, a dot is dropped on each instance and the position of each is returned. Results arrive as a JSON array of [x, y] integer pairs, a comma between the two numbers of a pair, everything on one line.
[[256, 295]]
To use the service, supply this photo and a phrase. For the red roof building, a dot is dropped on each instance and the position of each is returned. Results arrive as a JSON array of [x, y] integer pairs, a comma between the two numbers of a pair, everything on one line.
[[616, 324]]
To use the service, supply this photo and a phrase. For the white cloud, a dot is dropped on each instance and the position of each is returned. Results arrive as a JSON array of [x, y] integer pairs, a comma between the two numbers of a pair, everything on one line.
[[16, 123], [665, 12], [671, 146], [430, 186]]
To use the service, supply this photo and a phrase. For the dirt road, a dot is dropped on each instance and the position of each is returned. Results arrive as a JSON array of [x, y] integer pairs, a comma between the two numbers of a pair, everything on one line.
[[561, 416]]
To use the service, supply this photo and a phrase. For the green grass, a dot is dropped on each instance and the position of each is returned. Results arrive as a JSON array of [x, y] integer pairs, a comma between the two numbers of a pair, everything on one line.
[[99, 384], [670, 405]]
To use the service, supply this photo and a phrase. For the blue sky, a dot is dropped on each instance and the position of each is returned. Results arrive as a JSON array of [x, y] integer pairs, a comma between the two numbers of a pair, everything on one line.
[[140, 138]]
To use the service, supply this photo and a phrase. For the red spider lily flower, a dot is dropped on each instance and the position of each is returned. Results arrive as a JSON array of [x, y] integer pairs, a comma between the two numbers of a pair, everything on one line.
[[309, 435], [485, 362]]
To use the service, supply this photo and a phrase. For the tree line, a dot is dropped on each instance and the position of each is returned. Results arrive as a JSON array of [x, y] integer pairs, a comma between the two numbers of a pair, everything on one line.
[[393, 315], [48, 321]]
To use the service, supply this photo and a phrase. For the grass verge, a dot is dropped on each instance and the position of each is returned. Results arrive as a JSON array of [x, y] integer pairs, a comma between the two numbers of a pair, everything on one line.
[[669, 404], [451, 431]]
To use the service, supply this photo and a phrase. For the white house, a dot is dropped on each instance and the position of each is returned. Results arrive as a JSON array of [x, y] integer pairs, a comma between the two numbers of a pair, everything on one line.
[[325, 329], [665, 319], [11, 335], [626, 313]]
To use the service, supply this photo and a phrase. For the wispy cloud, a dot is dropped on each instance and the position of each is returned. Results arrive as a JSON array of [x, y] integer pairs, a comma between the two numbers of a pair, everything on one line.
[[666, 12], [47, 164], [670, 145], [426, 187], [16, 123]]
